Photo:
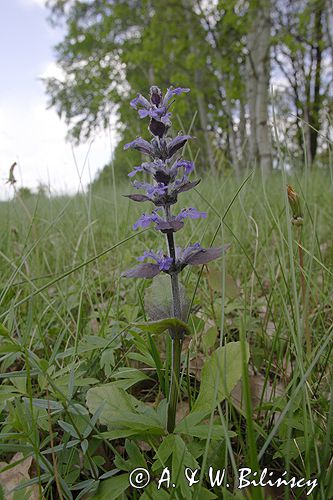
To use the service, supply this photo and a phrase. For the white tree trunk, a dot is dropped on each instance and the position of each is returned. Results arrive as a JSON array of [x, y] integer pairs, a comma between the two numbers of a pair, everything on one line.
[[258, 77]]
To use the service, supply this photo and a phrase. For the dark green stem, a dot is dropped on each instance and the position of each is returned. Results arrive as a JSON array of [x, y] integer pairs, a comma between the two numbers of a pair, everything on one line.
[[177, 338], [174, 383]]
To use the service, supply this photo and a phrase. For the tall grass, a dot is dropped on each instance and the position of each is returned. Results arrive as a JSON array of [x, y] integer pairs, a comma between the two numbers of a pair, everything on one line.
[[68, 313]]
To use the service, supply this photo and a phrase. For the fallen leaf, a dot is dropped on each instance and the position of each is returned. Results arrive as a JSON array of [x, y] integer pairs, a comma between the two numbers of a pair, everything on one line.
[[16, 475], [182, 410], [260, 391]]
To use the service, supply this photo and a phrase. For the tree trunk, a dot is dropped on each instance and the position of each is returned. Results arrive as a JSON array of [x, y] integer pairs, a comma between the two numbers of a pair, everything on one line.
[[251, 92], [315, 115], [199, 90], [258, 77]]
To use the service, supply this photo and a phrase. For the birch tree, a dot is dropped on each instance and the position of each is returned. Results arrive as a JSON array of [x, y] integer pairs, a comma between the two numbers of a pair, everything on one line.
[[257, 82]]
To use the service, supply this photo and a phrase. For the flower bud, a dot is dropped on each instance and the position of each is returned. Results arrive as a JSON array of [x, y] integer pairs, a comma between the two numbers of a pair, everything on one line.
[[295, 205], [155, 95]]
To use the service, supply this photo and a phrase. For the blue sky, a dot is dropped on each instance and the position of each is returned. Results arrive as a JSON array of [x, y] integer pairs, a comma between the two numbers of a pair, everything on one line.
[[30, 134]]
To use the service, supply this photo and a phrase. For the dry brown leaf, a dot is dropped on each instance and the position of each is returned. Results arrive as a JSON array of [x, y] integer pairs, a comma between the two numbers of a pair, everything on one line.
[[197, 364], [270, 329], [182, 410], [17, 475], [259, 392]]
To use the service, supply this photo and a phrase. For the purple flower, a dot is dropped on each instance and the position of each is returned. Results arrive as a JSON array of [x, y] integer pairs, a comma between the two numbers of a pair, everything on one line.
[[170, 178], [135, 171], [171, 92], [156, 109], [191, 213], [164, 262], [151, 189], [141, 145], [145, 220], [177, 143], [155, 95], [187, 165], [140, 101]]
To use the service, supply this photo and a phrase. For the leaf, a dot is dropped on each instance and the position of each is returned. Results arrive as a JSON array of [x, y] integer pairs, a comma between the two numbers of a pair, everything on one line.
[[205, 255], [261, 392], [137, 197], [174, 324], [112, 488], [15, 475], [169, 226], [114, 402], [177, 143], [147, 270], [173, 446], [158, 299], [215, 278], [119, 409], [46, 404], [187, 186], [132, 374], [209, 338], [220, 373]]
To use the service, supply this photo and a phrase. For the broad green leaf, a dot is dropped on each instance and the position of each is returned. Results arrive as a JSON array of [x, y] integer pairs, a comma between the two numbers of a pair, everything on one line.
[[112, 488], [220, 373], [174, 324], [158, 299], [209, 338], [133, 374], [114, 402], [120, 410]]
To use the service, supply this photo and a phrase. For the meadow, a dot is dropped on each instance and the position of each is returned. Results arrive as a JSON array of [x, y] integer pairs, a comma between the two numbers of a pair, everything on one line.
[[83, 387]]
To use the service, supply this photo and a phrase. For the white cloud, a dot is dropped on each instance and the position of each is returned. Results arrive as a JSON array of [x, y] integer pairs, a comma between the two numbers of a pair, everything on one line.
[[35, 137], [52, 70], [32, 3]]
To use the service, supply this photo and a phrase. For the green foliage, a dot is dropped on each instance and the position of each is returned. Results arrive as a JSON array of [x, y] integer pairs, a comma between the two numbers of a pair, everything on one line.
[[80, 383], [220, 373]]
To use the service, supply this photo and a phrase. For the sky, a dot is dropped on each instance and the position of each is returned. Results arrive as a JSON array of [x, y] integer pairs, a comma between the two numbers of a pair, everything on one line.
[[31, 134]]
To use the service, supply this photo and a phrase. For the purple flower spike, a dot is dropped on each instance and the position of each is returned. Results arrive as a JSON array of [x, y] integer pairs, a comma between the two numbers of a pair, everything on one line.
[[170, 177]]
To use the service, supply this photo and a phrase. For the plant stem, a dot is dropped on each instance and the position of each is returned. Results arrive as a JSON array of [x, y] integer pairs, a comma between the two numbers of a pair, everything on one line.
[[303, 288], [177, 337], [174, 383]]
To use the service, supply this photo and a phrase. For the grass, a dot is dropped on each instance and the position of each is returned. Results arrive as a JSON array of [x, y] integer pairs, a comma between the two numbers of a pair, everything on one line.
[[70, 319]]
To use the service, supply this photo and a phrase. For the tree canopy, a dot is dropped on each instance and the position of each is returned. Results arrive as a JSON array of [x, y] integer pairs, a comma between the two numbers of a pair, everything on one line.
[[229, 52]]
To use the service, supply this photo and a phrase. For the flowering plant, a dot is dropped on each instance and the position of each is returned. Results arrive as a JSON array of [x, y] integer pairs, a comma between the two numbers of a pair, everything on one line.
[[170, 177]]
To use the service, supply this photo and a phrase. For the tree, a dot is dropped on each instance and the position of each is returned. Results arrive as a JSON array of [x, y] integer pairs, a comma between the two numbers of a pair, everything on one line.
[[302, 53], [258, 78]]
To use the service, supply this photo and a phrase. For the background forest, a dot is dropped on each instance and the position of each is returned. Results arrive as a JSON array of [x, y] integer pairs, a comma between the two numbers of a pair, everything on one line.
[[244, 61]]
